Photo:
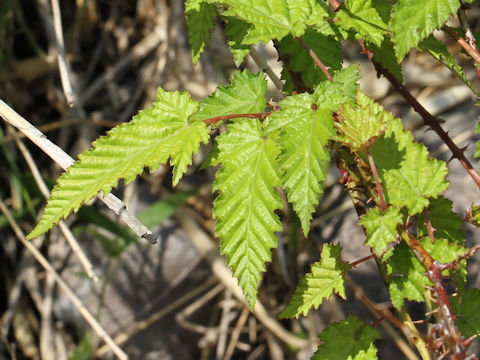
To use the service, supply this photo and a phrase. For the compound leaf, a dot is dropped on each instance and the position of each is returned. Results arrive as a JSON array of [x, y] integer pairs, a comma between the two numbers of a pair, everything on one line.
[[381, 228], [350, 339], [199, 18], [152, 137], [326, 278], [244, 208], [245, 94], [414, 20]]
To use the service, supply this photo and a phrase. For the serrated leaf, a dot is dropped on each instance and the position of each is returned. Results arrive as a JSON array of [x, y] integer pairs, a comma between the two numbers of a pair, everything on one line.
[[304, 158], [274, 19], [236, 30], [466, 307], [155, 135], [385, 55], [350, 339], [417, 179], [408, 276], [414, 20], [245, 207], [365, 18], [326, 277], [439, 51], [326, 48], [408, 176], [245, 94], [305, 124], [361, 122], [447, 223], [199, 18], [381, 228]]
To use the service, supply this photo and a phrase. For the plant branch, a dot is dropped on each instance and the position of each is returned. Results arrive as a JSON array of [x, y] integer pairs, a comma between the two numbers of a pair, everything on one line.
[[428, 118], [447, 328], [216, 119], [262, 64], [316, 60], [469, 46]]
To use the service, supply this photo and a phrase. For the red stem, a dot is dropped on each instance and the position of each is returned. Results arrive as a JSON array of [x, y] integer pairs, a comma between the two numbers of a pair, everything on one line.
[[215, 120]]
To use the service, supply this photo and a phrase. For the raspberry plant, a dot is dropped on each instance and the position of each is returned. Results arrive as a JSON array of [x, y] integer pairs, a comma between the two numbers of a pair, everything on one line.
[[396, 187]]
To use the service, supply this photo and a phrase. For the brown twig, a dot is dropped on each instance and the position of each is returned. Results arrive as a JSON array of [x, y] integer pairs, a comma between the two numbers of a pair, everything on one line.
[[215, 120]]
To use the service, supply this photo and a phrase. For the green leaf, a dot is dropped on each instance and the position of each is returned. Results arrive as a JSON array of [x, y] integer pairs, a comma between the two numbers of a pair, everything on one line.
[[326, 277], [305, 124], [447, 223], [417, 179], [439, 51], [381, 228], [304, 158], [408, 176], [365, 18], [199, 18], [155, 135], [385, 55], [408, 276], [349, 339], [236, 30], [244, 208], [466, 307], [361, 122], [245, 94], [414, 20], [326, 48], [274, 19]]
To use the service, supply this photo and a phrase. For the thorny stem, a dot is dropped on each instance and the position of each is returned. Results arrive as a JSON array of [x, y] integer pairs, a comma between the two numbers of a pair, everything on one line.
[[446, 326], [215, 120], [383, 206], [316, 60], [428, 118]]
